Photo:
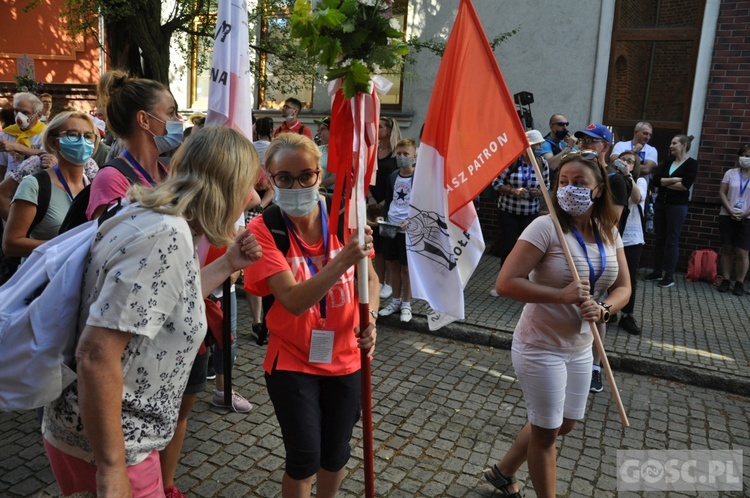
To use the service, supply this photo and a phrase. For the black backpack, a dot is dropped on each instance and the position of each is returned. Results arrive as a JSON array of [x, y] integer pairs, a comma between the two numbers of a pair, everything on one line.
[[9, 264], [77, 211], [274, 221]]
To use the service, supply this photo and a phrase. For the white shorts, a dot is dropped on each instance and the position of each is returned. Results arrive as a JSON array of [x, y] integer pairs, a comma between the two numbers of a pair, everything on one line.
[[555, 384]]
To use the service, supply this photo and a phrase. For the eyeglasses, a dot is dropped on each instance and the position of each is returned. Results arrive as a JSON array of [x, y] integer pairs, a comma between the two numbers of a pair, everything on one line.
[[562, 123], [284, 180], [591, 140], [73, 136], [285, 106]]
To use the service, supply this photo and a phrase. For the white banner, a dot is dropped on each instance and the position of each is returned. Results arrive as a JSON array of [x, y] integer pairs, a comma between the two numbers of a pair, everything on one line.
[[230, 98]]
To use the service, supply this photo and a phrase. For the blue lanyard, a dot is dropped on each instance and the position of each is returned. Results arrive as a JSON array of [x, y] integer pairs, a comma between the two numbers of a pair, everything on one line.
[[525, 174], [140, 169], [743, 187], [324, 221], [593, 277], [67, 187]]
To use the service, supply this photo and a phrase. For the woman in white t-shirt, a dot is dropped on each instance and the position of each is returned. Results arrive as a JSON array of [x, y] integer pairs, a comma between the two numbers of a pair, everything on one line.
[[143, 318], [552, 341], [734, 222]]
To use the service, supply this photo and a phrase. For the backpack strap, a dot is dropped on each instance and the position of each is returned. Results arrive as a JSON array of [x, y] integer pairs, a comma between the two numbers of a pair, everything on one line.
[[126, 169], [274, 221], [43, 197]]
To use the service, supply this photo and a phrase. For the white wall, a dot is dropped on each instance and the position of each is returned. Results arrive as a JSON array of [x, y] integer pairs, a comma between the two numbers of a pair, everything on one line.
[[553, 55]]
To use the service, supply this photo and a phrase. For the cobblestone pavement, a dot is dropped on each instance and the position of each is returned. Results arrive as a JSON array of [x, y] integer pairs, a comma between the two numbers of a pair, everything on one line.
[[691, 332], [443, 410]]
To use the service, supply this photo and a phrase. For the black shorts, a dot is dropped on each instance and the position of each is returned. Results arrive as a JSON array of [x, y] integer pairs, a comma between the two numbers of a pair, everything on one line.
[[395, 249], [197, 381], [735, 233], [317, 415]]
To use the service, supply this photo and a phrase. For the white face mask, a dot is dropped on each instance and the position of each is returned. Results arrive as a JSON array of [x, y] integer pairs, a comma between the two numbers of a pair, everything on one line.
[[744, 162], [23, 121], [296, 202], [575, 200]]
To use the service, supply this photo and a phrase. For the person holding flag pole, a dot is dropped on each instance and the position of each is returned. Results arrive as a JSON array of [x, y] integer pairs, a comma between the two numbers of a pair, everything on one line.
[[552, 342]]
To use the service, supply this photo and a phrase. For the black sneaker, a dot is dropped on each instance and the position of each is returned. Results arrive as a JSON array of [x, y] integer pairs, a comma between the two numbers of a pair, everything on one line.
[[725, 286], [739, 289], [596, 381], [627, 323], [652, 277], [666, 282]]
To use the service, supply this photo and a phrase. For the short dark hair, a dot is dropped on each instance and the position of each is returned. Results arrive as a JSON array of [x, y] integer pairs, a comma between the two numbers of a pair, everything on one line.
[[264, 127], [743, 149], [296, 103]]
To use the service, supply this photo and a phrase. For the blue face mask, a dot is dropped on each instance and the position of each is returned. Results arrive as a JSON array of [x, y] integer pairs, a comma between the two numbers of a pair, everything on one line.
[[173, 138], [77, 152]]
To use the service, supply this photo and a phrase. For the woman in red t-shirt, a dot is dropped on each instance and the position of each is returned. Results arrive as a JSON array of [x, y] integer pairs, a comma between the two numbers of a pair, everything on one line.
[[313, 363]]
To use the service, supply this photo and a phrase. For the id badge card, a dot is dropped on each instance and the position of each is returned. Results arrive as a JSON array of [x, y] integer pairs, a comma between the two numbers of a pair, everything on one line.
[[740, 205], [321, 346]]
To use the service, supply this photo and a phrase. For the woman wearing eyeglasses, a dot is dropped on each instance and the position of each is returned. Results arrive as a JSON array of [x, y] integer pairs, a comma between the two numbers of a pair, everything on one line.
[[312, 365], [552, 342], [73, 138]]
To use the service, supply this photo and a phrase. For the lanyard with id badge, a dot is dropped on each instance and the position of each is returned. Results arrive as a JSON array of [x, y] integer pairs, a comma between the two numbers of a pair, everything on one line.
[[321, 340]]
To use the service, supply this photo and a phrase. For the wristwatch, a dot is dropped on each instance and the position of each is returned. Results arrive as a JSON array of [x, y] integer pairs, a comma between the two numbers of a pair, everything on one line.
[[605, 311], [374, 314]]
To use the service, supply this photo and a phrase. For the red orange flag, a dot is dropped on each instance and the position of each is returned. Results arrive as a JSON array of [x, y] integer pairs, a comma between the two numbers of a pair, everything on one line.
[[472, 133]]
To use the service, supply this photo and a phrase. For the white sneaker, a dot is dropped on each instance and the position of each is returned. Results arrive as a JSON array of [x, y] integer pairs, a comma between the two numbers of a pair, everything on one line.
[[390, 309], [494, 293], [405, 314], [386, 291]]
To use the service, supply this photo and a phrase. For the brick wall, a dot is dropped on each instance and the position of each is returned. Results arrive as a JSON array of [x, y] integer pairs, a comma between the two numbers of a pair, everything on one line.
[[726, 123]]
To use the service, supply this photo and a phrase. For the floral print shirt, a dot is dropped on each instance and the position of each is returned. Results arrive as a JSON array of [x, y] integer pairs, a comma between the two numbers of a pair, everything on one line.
[[142, 278]]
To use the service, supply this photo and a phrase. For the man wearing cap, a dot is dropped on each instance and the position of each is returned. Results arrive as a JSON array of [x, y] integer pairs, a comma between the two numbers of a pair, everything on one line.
[[24, 138], [639, 144], [519, 192], [558, 141], [289, 112], [598, 138], [321, 138]]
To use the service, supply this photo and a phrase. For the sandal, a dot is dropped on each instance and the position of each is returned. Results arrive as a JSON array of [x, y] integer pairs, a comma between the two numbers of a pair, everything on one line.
[[501, 482]]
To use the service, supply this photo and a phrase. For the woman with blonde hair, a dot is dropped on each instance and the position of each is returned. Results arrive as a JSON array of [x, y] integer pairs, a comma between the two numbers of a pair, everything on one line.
[[72, 137], [312, 364], [143, 318], [551, 349]]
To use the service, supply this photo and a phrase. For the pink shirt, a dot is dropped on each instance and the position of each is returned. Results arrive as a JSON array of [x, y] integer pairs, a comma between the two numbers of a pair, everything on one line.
[[108, 186]]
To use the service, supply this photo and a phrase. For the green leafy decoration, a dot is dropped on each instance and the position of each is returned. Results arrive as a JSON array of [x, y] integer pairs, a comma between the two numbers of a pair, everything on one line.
[[351, 39]]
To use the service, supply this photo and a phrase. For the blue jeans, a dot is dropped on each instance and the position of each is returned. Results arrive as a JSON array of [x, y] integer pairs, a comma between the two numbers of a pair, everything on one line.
[[668, 221]]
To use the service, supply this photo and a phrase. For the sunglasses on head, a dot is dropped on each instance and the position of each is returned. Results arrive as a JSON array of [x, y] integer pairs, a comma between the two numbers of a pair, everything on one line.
[[587, 154]]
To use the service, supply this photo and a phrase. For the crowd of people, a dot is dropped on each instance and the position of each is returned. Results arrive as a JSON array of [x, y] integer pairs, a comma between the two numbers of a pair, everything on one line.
[[201, 205]]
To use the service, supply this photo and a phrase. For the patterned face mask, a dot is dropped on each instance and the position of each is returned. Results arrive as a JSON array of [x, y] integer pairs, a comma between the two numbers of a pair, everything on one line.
[[575, 200]]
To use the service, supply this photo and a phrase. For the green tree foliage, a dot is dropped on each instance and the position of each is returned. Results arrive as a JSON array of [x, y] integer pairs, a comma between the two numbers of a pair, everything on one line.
[[138, 35]]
